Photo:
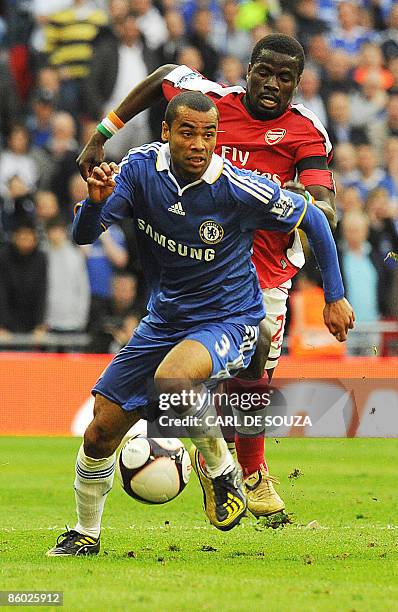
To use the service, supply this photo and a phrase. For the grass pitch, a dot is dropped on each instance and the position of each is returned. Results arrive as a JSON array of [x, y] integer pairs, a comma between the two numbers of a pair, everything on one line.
[[169, 558]]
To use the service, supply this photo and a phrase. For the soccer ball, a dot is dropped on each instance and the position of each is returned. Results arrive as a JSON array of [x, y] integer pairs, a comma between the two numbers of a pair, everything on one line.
[[153, 470]]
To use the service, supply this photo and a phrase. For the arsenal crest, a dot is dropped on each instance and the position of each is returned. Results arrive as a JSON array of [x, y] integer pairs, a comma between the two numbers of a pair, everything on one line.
[[274, 136]]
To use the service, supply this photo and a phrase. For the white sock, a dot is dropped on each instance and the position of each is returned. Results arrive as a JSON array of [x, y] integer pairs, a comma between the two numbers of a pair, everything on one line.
[[208, 438], [94, 480]]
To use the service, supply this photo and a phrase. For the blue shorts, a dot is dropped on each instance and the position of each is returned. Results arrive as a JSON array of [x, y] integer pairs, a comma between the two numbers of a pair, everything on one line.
[[128, 380]]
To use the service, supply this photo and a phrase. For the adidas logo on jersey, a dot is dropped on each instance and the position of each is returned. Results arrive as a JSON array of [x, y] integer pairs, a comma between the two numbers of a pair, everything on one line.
[[177, 209]]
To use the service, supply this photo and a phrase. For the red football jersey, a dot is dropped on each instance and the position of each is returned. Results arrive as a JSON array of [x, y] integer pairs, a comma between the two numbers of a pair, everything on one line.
[[271, 148]]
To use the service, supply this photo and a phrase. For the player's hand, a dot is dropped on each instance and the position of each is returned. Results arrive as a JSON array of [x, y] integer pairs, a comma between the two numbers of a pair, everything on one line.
[[295, 186], [92, 155], [339, 317], [100, 183]]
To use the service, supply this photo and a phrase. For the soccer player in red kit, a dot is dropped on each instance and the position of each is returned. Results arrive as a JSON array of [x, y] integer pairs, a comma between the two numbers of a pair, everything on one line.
[[259, 130]]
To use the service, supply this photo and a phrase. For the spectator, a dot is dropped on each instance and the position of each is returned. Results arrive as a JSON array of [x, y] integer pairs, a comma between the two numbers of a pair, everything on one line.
[[258, 32], [337, 75], [200, 38], [47, 79], [371, 62], [16, 207], [16, 160], [176, 38], [189, 7], [349, 199], [39, 122], [345, 163], [308, 94], [371, 175], [349, 35], [368, 104], [328, 10], [150, 23], [383, 129], [191, 57], [389, 39], [230, 40], [58, 160], [117, 64], [42, 10], [361, 269], [340, 128], [382, 213], [23, 283], [68, 294], [77, 188], [231, 71], [112, 322], [69, 38], [308, 21], [118, 10], [286, 24], [46, 209], [104, 256], [318, 55]]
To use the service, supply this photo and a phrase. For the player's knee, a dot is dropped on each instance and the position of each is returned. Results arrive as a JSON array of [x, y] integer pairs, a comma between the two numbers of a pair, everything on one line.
[[98, 443]]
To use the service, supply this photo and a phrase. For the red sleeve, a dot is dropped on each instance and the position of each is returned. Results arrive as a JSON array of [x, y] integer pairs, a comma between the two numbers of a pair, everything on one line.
[[314, 141], [183, 78], [315, 176]]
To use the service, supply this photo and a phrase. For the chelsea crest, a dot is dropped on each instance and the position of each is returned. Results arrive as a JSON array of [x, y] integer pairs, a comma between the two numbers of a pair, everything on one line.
[[211, 232]]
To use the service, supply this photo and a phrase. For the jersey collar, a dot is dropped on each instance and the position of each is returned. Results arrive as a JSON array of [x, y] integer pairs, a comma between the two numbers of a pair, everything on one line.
[[212, 173]]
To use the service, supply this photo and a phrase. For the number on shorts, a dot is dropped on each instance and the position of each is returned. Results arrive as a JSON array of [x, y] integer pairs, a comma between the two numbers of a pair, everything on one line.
[[223, 347]]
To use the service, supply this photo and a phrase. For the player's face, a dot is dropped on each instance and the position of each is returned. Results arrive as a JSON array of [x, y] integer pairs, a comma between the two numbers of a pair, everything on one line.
[[271, 83], [192, 139]]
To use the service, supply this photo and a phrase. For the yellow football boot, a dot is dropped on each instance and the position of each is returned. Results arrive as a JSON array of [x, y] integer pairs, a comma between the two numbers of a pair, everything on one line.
[[262, 499], [224, 499]]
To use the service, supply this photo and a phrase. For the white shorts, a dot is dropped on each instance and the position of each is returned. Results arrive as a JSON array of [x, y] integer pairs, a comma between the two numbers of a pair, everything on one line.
[[275, 301]]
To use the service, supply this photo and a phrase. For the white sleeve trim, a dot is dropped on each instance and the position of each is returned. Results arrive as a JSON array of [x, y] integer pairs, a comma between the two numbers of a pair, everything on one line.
[[185, 78], [306, 112]]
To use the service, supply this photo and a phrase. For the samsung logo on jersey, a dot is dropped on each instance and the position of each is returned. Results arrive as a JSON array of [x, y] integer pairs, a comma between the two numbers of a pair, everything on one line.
[[175, 247]]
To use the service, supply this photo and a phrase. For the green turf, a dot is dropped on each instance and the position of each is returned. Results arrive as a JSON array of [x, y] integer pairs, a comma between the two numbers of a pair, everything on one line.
[[169, 558]]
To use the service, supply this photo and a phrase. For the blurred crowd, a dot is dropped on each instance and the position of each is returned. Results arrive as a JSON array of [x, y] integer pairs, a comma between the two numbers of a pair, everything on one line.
[[65, 64]]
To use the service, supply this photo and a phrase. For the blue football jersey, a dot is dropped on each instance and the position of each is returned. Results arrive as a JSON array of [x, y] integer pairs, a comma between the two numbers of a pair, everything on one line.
[[196, 240]]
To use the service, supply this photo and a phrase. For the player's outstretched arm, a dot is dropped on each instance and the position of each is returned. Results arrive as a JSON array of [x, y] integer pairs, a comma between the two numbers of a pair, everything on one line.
[[141, 97], [338, 314], [87, 222]]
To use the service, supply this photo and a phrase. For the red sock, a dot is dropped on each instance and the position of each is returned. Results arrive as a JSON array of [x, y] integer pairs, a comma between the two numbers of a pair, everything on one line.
[[250, 453], [250, 450]]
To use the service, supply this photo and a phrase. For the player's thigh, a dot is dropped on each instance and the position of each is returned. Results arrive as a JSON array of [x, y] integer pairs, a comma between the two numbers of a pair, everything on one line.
[[128, 380], [275, 302], [188, 362], [230, 346]]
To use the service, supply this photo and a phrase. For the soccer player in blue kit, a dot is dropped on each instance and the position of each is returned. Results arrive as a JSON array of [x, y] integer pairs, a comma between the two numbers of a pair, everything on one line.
[[195, 215]]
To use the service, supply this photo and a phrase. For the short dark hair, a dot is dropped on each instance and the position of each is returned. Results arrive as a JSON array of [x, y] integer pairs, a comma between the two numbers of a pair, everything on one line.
[[280, 43], [194, 100]]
